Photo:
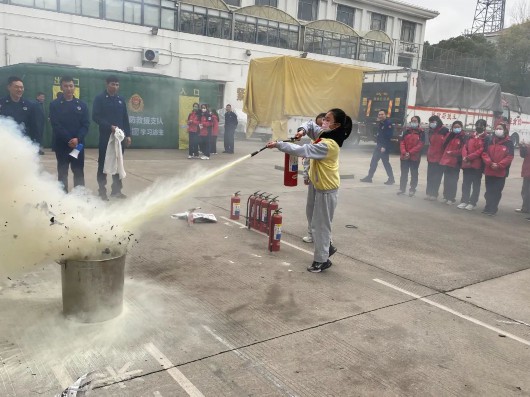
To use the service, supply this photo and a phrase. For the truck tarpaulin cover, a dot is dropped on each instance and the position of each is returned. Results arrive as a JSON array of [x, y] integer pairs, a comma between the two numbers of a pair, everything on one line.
[[435, 89], [279, 87], [516, 103]]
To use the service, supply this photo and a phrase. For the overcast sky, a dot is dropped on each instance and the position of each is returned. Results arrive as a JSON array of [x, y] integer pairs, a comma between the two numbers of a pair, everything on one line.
[[455, 16]]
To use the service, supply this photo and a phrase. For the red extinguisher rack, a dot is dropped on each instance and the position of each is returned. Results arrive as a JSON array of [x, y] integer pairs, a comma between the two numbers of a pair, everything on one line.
[[275, 231], [235, 206]]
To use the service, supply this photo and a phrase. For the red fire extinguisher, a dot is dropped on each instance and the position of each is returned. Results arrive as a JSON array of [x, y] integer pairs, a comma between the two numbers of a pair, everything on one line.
[[266, 212], [251, 208], [290, 173], [235, 206], [254, 216], [261, 204], [275, 232]]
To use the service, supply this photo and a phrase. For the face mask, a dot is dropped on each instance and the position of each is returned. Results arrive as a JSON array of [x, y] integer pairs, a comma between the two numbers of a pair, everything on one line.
[[325, 125], [499, 133], [203, 110], [414, 125], [195, 108], [433, 125], [457, 130]]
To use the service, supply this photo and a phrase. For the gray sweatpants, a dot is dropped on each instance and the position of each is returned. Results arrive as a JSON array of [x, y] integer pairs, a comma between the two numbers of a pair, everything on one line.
[[322, 217], [310, 204]]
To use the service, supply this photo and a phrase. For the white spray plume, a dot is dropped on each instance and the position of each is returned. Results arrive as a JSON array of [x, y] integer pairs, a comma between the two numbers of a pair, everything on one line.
[[39, 222]]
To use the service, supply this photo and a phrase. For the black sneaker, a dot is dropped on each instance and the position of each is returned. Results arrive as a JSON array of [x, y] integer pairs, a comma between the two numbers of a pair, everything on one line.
[[332, 249], [528, 219], [366, 179], [316, 267], [327, 265], [41, 153], [103, 196], [119, 195], [400, 192], [390, 182], [412, 193]]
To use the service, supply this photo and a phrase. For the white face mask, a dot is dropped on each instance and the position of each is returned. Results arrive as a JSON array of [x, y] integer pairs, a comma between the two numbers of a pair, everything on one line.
[[433, 125], [325, 125], [499, 133], [413, 125]]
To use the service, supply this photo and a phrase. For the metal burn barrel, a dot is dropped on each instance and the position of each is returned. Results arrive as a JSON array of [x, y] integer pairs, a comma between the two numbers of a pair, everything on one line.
[[93, 289]]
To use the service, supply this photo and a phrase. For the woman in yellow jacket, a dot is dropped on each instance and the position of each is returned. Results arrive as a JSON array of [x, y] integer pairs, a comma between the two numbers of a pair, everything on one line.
[[323, 153]]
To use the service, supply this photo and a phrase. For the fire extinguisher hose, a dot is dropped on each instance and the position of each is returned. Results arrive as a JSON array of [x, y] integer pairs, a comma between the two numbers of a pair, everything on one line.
[[265, 147]]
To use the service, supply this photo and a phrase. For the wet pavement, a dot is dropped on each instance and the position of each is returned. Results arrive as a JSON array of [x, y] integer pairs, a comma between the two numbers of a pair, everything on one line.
[[423, 299]]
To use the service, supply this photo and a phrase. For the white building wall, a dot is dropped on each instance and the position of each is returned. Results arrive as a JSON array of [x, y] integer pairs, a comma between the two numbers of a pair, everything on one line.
[[27, 35]]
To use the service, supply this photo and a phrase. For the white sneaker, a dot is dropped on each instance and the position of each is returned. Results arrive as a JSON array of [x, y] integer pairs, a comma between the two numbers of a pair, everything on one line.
[[307, 239], [449, 202], [191, 157], [470, 207], [444, 201], [205, 158], [461, 206]]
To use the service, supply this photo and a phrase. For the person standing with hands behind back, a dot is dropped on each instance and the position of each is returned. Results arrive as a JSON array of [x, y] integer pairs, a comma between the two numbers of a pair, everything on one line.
[[497, 156], [435, 171], [230, 129], [323, 153], [110, 112], [382, 149], [70, 122]]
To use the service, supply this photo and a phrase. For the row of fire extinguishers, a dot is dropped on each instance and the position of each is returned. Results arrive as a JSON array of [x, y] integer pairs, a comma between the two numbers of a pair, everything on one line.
[[263, 214]]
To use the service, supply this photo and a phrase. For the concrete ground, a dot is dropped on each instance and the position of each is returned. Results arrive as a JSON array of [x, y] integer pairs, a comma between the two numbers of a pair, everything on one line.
[[423, 299]]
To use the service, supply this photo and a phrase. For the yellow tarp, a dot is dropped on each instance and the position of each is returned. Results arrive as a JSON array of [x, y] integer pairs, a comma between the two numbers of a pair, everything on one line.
[[280, 87]]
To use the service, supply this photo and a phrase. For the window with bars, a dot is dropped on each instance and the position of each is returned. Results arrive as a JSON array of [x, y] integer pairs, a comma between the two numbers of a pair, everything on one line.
[[205, 22], [236, 3], [272, 3], [307, 10], [346, 15], [374, 51], [408, 31], [378, 22], [329, 43], [262, 31]]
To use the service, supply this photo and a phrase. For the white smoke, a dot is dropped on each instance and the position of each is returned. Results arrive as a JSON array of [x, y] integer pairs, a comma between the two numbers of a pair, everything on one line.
[[41, 223]]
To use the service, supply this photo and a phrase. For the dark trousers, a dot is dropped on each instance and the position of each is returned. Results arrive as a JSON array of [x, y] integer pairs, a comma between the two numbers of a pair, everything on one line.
[[435, 173], [229, 140], [384, 157], [204, 145], [213, 144], [471, 185], [451, 175], [102, 177], [193, 149], [413, 166], [64, 160], [525, 194], [494, 186]]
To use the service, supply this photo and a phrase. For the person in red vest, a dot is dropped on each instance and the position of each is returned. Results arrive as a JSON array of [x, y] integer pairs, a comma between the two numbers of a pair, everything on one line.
[[451, 161], [215, 132], [497, 156], [472, 166], [193, 131], [437, 134], [410, 148], [525, 173]]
